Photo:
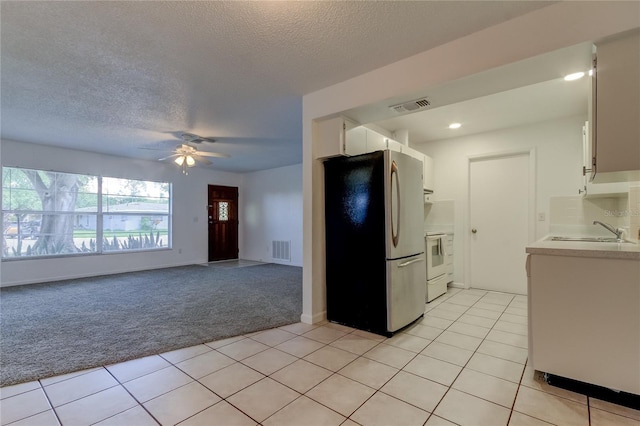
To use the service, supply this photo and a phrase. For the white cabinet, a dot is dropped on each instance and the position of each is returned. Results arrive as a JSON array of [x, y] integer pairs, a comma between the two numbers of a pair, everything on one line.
[[597, 190], [375, 141], [427, 169], [428, 174], [395, 145], [449, 258], [616, 108], [340, 136], [584, 321]]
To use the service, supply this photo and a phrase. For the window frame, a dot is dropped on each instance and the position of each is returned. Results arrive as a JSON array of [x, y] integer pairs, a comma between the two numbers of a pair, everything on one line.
[[99, 214]]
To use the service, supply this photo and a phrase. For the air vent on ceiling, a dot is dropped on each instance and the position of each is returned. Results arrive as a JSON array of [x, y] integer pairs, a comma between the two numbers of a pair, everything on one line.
[[411, 106]]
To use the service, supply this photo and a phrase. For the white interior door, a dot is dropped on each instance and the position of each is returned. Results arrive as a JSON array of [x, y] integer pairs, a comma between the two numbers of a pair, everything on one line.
[[499, 223]]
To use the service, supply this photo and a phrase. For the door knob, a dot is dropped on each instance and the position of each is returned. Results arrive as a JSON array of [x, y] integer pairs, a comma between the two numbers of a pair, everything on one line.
[[474, 230]]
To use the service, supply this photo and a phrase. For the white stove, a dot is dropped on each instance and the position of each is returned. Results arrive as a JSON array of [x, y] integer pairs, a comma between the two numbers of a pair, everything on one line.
[[436, 264]]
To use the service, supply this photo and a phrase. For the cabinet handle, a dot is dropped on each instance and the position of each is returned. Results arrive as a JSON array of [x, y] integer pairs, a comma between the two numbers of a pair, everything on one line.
[[474, 230]]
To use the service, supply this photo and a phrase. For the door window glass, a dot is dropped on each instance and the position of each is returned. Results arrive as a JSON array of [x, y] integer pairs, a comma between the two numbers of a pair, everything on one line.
[[223, 211]]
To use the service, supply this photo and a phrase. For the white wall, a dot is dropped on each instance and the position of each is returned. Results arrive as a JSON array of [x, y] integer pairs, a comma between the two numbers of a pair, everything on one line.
[[272, 210], [558, 151], [565, 24], [189, 212]]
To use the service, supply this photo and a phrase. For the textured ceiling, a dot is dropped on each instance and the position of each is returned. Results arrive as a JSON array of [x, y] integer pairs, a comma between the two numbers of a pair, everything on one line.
[[113, 77]]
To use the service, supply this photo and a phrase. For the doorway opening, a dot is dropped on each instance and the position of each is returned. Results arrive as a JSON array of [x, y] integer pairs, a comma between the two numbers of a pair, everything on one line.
[[223, 222]]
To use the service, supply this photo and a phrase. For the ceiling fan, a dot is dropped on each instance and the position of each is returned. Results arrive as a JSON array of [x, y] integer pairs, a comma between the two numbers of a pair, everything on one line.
[[186, 155]]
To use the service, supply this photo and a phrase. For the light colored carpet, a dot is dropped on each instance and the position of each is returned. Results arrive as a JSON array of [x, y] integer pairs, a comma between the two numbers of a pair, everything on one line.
[[55, 328]]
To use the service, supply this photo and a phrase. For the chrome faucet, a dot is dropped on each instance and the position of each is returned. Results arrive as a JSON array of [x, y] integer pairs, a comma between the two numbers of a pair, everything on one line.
[[617, 232]]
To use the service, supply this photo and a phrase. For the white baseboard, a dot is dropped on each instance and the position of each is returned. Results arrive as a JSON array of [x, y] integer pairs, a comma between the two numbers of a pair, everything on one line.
[[457, 285], [309, 319]]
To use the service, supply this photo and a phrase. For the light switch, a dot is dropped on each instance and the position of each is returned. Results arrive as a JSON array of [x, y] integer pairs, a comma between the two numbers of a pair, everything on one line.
[[542, 217]]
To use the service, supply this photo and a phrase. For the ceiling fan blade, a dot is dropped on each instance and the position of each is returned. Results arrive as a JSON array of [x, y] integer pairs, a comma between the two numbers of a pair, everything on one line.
[[166, 158], [212, 154], [193, 138], [201, 160], [153, 149], [210, 140]]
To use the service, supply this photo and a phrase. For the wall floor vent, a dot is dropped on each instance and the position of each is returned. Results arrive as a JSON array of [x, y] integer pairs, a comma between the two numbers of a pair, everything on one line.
[[281, 250]]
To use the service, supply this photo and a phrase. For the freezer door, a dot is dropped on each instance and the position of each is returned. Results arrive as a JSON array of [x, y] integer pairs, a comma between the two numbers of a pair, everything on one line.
[[404, 207], [406, 291]]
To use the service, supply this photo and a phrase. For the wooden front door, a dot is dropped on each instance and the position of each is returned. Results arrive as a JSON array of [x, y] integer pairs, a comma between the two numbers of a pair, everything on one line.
[[223, 222]]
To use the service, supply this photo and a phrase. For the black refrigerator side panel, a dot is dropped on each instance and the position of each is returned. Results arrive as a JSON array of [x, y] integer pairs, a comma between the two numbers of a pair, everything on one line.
[[355, 241]]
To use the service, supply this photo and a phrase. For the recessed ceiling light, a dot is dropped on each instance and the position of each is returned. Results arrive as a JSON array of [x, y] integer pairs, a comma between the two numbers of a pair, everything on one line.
[[455, 125], [574, 76]]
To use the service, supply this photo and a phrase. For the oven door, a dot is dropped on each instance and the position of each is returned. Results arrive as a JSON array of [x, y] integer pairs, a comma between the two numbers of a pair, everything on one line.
[[436, 256], [436, 287]]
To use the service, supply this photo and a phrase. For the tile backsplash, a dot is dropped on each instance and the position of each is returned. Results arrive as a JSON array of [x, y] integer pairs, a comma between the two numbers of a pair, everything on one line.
[[575, 215], [439, 216]]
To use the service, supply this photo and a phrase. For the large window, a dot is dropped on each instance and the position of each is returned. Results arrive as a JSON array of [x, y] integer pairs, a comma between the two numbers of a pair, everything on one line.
[[50, 213]]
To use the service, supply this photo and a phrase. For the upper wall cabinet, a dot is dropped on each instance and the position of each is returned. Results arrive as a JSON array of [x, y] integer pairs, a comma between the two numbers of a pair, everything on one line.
[[427, 168], [616, 109], [597, 190], [375, 141], [429, 174], [340, 136]]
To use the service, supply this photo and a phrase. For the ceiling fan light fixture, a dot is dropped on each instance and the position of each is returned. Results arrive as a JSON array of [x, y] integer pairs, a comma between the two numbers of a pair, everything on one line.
[[190, 161], [179, 160]]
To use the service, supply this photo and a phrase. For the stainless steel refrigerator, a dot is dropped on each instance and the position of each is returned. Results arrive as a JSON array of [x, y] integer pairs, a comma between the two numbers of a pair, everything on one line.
[[375, 260]]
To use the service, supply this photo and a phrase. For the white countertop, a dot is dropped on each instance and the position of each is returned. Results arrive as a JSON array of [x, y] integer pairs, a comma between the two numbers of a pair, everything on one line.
[[545, 246]]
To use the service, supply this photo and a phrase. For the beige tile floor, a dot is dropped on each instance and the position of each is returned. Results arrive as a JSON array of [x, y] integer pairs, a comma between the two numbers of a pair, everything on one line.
[[464, 363]]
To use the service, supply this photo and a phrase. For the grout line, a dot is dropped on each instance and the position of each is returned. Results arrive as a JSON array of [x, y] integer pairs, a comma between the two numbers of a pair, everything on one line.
[[84, 396], [55, 413], [134, 398], [515, 398]]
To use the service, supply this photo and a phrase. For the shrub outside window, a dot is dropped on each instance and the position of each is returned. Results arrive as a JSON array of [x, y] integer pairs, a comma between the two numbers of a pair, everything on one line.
[[47, 213]]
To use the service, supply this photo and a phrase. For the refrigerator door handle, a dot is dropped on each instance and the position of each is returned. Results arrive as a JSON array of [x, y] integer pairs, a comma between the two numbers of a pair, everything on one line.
[[402, 265], [395, 236]]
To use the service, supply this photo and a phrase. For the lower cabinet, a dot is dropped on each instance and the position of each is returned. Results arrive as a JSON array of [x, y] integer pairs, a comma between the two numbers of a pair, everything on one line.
[[584, 319], [449, 259]]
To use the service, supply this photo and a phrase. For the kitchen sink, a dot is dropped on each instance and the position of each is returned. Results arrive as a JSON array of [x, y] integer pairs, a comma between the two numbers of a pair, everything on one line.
[[590, 239]]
